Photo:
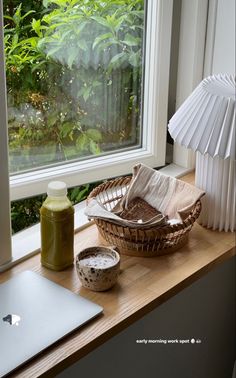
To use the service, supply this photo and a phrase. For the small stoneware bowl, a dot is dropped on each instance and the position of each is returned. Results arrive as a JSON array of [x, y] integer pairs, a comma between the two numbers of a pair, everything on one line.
[[98, 267]]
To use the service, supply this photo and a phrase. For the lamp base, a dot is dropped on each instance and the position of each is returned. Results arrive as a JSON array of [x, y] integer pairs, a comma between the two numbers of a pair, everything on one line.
[[216, 176]]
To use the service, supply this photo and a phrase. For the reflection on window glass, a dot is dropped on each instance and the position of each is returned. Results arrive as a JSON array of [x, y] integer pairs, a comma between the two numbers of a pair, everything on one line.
[[74, 78]]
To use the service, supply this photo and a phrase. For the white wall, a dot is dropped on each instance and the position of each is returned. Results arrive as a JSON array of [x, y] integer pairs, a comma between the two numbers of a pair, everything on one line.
[[220, 46]]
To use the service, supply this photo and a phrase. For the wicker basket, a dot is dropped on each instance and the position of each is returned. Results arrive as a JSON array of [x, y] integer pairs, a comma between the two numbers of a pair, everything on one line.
[[146, 242]]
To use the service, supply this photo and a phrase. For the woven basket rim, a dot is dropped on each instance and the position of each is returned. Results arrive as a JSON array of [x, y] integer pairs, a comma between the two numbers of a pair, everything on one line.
[[167, 229]]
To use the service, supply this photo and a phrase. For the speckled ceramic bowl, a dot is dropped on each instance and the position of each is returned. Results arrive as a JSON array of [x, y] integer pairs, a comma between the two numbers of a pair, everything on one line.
[[98, 267]]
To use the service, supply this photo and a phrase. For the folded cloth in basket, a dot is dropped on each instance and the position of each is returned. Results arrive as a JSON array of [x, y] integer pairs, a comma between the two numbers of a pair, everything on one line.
[[172, 197], [97, 210]]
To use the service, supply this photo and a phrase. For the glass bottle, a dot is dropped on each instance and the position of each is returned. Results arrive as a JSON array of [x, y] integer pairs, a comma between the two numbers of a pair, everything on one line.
[[57, 228]]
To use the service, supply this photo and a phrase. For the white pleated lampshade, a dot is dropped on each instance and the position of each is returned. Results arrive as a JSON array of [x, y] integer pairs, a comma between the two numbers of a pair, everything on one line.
[[205, 122]]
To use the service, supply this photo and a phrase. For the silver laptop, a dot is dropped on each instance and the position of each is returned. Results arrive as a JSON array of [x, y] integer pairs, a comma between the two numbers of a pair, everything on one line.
[[35, 313]]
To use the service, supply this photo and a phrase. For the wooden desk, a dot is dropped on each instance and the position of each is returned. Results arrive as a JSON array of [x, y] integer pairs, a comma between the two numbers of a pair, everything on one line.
[[144, 283]]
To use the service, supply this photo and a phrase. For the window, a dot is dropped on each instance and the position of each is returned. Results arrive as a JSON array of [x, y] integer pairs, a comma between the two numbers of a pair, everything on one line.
[[79, 129], [149, 142], [74, 80], [30, 172]]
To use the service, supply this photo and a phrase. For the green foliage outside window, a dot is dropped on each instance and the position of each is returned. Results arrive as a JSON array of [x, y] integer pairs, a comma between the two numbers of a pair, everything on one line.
[[61, 57]]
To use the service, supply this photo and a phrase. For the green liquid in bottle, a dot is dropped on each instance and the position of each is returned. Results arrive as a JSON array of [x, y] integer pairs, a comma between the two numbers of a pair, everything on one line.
[[57, 233]]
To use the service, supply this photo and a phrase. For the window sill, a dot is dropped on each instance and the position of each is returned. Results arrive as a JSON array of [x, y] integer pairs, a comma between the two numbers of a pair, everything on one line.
[[143, 285], [27, 242]]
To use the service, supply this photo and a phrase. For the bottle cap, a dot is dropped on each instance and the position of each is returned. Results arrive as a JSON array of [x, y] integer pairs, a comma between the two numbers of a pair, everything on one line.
[[57, 189]]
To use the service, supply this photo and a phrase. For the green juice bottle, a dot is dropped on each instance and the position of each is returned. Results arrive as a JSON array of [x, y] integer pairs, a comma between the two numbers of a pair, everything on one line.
[[57, 228]]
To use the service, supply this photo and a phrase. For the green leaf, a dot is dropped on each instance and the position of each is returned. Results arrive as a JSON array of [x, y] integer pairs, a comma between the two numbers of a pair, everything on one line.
[[32, 42], [70, 152], [83, 194], [27, 14], [82, 44], [45, 3], [81, 26], [134, 59], [8, 17], [36, 25], [72, 56], [139, 14], [119, 22], [36, 66], [101, 38], [103, 45], [82, 142], [130, 40], [66, 129], [15, 40], [52, 119], [86, 93], [117, 60], [94, 134], [51, 53], [74, 194], [94, 148], [60, 3], [17, 15], [101, 21], [79, 194], [65, 35], [96, 84]]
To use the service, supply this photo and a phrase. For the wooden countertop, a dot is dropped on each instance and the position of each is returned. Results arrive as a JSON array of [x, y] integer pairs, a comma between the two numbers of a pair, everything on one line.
[[144, 283]]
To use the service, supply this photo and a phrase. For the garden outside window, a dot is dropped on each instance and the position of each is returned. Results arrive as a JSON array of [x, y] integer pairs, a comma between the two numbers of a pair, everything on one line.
[[86, 93]]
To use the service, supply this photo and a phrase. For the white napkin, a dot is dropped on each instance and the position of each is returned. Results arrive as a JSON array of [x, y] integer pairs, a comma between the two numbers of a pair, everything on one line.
[[172, 197]]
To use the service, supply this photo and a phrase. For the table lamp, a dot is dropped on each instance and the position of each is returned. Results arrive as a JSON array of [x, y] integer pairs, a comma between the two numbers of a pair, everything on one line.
[[205, 122]]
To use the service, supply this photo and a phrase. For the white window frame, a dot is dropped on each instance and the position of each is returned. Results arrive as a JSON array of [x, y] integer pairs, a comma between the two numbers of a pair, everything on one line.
[[5, 223], [152, 153]]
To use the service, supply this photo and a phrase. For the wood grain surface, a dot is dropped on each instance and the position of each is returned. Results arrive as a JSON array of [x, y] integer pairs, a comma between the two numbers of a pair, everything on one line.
[[143, 284]]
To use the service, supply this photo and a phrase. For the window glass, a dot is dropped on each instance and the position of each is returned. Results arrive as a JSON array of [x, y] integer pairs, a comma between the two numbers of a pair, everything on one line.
[[74, 79]]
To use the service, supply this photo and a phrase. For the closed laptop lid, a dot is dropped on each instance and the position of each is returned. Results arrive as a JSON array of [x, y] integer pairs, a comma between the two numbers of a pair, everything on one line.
[[35, 313]]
